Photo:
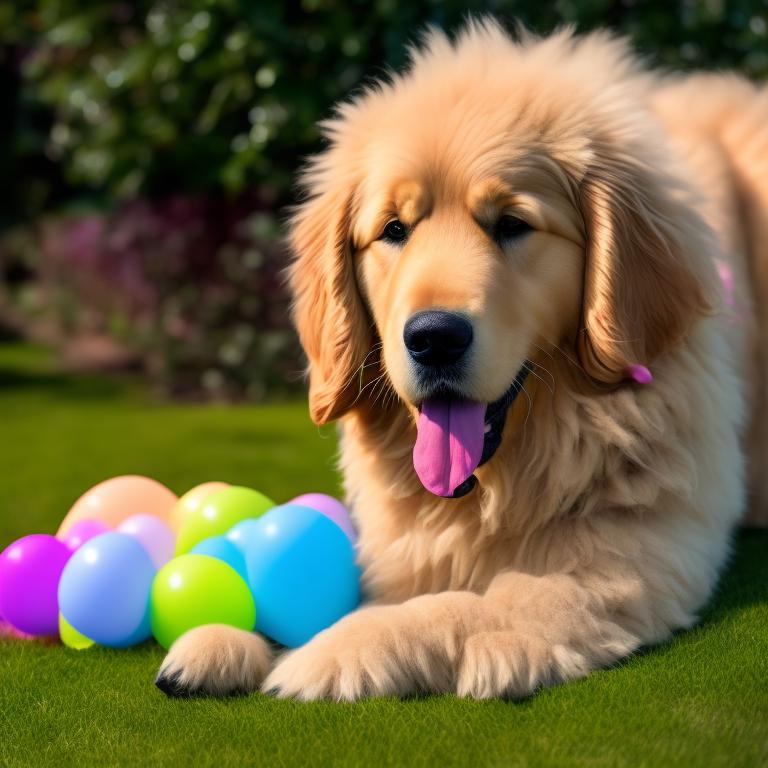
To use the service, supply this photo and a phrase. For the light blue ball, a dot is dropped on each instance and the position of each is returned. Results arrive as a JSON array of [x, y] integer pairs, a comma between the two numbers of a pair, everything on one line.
[[242, 533], [222, 548], [104, 590], [302, 573]]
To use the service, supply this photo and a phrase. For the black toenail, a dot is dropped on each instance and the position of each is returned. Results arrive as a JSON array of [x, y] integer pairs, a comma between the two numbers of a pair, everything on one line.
[[170, 685]]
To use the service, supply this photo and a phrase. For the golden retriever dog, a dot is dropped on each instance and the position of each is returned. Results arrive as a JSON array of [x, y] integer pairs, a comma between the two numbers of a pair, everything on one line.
[[527, 278]]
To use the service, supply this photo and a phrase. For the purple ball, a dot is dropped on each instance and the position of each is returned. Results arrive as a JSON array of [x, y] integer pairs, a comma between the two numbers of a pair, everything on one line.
[[82, 531], [331, 508], [153, 534], [29, 582]]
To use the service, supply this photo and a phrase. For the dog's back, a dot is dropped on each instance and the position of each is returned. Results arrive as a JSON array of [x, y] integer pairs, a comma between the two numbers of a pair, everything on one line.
[[720, 123]]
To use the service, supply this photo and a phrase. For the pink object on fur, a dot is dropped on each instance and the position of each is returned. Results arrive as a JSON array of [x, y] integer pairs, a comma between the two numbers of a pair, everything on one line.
[[449, 443], [725, 273], [640, 374]]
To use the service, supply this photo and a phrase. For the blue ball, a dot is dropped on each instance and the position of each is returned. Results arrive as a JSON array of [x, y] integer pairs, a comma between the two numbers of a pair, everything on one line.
[[104, 590], [242, 533], [222, 548], [302, 573]]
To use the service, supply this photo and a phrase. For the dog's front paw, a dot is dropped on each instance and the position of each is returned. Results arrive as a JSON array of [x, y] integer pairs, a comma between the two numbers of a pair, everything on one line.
[[513, 664], [350, 660], [364, 654], [216, 660]]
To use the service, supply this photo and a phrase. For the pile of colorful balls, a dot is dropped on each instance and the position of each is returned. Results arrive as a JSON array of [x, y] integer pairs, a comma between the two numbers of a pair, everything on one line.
[[131, 560]]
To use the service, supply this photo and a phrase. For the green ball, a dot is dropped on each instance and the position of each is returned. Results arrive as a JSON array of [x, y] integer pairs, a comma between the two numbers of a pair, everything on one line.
[[219, 512], [192, 590], [71, 637]]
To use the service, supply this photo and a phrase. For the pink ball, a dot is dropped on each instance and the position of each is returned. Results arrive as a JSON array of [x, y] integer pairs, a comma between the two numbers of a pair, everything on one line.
[[29, 582], [83, 531], [331, 508], [118, 498], [153, 534]]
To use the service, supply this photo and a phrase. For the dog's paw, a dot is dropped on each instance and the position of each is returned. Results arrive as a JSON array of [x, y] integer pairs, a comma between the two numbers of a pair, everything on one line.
[[511, 664], [362, 655], [215, 660]]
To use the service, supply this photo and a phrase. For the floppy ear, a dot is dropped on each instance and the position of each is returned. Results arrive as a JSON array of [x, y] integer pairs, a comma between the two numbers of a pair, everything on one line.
[[642, 288], [328, 310]]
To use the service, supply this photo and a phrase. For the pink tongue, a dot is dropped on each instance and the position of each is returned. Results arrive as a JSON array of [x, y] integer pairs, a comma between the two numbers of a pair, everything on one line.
[[449, 444]]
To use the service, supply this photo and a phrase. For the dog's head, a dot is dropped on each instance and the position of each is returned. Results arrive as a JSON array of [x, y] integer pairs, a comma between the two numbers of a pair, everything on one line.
[[496, 201]]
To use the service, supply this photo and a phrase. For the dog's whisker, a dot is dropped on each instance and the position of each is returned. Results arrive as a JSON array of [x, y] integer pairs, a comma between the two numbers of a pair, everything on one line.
[[372, 382], [390, 398], [569, 359], [365, 364], [359, 372], [549, 373], [530, 408], [380, 390], [544, 351], [549, 355], [550, 387], [393, 397]]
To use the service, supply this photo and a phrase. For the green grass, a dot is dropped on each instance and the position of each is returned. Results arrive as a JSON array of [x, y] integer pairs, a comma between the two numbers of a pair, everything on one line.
[[700, 700]]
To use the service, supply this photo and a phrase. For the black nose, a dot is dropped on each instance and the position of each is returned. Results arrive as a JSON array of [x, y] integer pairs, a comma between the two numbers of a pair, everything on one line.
[[437, 338]]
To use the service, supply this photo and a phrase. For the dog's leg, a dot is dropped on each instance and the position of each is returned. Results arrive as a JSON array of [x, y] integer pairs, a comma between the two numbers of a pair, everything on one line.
[[216, 660], [555, 630], [390, 650], [524, 632]]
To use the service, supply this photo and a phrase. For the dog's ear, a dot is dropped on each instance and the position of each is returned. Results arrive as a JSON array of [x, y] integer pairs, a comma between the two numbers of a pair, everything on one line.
[[641, 290], [328, 311]]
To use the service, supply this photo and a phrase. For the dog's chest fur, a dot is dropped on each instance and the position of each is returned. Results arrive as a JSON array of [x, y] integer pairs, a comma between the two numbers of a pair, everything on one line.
[[566, 460]]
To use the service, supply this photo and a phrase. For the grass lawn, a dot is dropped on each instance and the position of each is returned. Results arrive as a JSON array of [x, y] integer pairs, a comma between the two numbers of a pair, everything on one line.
[[697, 701]]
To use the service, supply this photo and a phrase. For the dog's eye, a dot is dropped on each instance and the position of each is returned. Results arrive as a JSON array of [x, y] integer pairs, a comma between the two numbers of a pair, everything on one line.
[[395, 231], [510, 227]]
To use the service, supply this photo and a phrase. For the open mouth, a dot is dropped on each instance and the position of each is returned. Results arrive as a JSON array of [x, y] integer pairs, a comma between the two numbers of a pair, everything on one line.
[[455, 436]]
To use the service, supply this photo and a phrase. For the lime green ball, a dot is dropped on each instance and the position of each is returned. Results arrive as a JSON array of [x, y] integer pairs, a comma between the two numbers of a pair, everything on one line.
[[192, 590], [219, 512], [71, 637]]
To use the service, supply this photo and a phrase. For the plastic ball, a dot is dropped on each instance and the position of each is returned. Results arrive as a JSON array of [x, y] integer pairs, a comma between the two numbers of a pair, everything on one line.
[[120, 497], [193, 590], [302, 573], [71, 637], [153, 534], [331, 508], [219, 513], [225, 550], [192, 500], [104, 590], [29, 578], [82, 531], [241, 533]]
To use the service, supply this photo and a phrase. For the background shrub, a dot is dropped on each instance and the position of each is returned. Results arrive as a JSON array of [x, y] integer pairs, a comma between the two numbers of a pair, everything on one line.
[[149, 149]]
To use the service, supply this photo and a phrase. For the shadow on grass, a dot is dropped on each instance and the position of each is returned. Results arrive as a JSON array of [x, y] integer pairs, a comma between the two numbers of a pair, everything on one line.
[[60, 385], [744, 583], [15, 381], [31, 369]]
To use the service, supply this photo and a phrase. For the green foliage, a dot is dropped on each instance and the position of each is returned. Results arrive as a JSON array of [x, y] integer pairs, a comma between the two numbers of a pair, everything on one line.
[[162, 96], [137, 109]]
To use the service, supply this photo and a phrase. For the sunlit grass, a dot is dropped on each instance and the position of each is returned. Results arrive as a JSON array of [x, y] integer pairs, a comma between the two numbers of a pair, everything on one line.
[[699, 700]]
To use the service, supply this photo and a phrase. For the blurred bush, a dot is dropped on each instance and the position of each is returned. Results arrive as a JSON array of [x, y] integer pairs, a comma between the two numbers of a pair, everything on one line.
[[191, 283], [150, 147]]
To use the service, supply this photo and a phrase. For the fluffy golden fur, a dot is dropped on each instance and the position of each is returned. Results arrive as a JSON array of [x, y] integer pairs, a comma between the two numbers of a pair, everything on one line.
[[604, 518]]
